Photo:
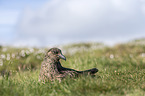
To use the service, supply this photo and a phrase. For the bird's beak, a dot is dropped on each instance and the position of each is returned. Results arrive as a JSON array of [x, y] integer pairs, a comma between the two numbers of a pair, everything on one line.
[[62, 57]]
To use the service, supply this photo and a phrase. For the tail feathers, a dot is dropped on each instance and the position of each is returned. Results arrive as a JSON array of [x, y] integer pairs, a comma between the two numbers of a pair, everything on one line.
[[90, 71]]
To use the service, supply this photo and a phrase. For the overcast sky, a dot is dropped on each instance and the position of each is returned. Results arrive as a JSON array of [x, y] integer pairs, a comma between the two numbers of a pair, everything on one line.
[[56, 22]]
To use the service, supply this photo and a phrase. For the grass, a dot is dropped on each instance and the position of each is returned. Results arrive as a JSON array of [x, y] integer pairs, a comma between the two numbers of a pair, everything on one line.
[[121, 73]]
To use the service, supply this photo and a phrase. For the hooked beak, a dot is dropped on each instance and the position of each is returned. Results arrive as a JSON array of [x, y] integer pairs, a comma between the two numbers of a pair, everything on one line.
[[62, 57]]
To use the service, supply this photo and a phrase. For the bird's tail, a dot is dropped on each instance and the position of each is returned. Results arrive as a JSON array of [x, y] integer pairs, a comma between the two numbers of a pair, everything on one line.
[[90, 71]]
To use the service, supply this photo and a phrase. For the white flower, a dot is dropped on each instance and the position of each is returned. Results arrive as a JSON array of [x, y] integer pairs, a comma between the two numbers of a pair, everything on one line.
[[3, 56], [31, 50], [22, 53], [27, 52], [111, 56], [8, 56], [41, 51], [13, 55], [143, 54], [1, 62]]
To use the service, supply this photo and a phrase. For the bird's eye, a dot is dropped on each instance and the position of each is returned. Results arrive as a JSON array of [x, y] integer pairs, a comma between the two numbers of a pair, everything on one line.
[[55, 52]]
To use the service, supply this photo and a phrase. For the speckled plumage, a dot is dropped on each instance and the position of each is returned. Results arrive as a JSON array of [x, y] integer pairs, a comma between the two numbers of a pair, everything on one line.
[[51, 68]]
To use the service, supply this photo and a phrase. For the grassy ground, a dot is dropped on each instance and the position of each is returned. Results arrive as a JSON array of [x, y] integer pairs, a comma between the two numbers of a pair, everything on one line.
[[121, 72]]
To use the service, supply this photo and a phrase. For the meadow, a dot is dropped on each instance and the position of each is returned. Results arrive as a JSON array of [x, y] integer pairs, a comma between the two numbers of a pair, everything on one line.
[[121, 71]]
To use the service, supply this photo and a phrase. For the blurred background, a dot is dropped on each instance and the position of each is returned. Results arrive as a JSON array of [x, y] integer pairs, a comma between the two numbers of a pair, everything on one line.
[[105, 34], [41, 23]]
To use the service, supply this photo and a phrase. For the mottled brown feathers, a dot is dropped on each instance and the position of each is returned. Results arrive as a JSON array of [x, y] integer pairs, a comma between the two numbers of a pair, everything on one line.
[[51, 68]]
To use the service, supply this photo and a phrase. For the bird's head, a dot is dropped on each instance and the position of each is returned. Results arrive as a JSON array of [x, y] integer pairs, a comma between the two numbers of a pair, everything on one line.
[[55, 54]]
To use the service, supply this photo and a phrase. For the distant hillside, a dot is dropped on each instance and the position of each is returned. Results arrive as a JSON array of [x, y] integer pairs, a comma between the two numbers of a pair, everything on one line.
[[139, 41]]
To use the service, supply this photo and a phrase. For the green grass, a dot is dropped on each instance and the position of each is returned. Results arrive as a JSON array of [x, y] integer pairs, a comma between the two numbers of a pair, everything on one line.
[[121, 73]]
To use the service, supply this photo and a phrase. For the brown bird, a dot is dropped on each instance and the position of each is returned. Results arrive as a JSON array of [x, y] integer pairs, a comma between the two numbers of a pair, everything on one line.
[[51, 68]]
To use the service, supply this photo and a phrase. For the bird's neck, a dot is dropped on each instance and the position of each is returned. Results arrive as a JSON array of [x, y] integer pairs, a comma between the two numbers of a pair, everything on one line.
[[54, 63]]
